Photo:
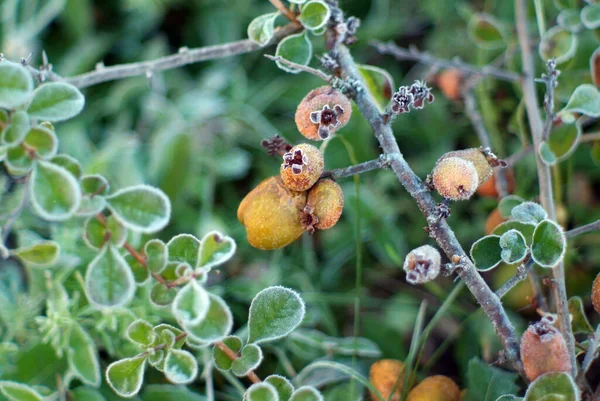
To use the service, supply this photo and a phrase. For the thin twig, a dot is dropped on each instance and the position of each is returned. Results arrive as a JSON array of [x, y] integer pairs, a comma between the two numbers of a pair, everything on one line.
[[517, 157], [183, 57], [233, 356], [594, 226], [438, 228], [356, 169], [593, 137], [550, 80], [522, 273], [414, 54], [544, 177], [484, 138], [590, 354], [305, 68], [284, 10]]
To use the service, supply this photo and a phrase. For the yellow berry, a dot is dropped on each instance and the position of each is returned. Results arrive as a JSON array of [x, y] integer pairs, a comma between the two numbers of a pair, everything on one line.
[[479, 160], [544, 350], [435, 388], [271, 214], [383, 376], [326, 199], [322, 112], [302, 166], [596, 293], [455, 178]]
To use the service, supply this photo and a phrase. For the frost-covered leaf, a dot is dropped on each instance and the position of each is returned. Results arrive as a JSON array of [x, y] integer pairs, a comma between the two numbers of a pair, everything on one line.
[[157, 255], [487, 383], [17, 161], [274, 313], [15, 85], [558, 43], [282, 385], [590, 16], [126, 376], [549, 244], [250, 359], [55, 193], [68, 163], [529, 212], [108, 281], [166, 334], [140, 273], [42, 142], [215, 326], [514, 247], [306, 393], [180, 367], [379, 83], [160, 295], [222, 361], [56, 101], [191, 303], [486, 252], [14, 132], [261, 392], [295, 48], [553, 386], [96, 234], [184, 248], [314, 14], [140, 208], [569, 20], [525, 229], [94, 187], [579, 320], [584, 100], [83, 357], [262, 28], [41, 254], [486, 31], [14, 391], [140, 332], [561, 144], [507, 204], [215, 250]]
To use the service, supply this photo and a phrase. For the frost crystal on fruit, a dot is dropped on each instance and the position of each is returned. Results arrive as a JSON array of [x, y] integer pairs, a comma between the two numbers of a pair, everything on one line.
[[327, 118], [422, 264], [294, 160]]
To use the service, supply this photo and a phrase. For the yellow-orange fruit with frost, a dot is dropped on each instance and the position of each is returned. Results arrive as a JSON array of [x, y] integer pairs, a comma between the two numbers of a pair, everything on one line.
[[596, 293], [383, 376], [271, 214], [455, 178], [544, 350], [435, 388], [479, 160], [302, 166], [322, 112], [326, 199]]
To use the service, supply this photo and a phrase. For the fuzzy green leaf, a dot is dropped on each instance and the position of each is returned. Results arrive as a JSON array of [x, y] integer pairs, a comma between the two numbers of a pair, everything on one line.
[[15, 85], [549, 244], [274, 313], [14, 391], [83, 357], [140, 332], [84, 393], [184, 248], [167, 392], [584, 100], [306, 393], [215, 250], [486, 31], [487, 383], [109, 282], [94, 187], [507, 204], [191, 303], [139, 271], [222, 361], [180, 367], [216, 325], [160, 295], [261, 392], [579, 320], [56, 101], [157, 255], [126, 376], [17, 161], [262, 28], [42, 141], [55, 193], [486, 252], [250, 359], [569, 20], [282, 385], [524, 228], [96, 234], [529, 212], [295, 48], [17, 129], [68, 163], [41, 254], [314, 14], [556, 386], [140, 208], [558, 43], [514, 247], [590, 16]]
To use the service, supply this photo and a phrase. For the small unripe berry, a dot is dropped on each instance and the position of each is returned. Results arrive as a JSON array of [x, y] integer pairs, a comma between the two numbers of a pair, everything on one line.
[[435, 388], [326, 199], [479, 160], [302, 166], [544, 350], [450, 82], [322, 112], [271, 214], [422, 264], [455, 178], [383, 376], [596, 293]]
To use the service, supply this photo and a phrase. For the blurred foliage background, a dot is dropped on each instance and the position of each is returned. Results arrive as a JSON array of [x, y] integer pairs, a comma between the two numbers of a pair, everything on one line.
[[195, 132]]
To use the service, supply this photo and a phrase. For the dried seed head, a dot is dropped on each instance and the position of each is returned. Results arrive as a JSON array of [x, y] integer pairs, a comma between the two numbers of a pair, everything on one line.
[[544, 350], [327, 201], [422, 264], [411, 96], [435, 388], [596, 293], [383, 375], [271, 214], [421, 92], [322, 112], [302, 166], [455, 178]]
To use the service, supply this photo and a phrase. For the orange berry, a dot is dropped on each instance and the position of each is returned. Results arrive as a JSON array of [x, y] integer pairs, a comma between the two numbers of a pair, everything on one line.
[[544, 350], [596, 293], [302, 166], [455, 178], [322, 112], [271, 214], [326, 199], [383, 376], [435, 388], [488, 188], [449, 82], [479, 160]]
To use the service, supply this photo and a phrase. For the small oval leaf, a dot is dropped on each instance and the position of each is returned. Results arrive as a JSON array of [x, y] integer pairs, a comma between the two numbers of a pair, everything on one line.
[[549, 244], [514, 247], [55, 193], [56, 101], [68, 163], [559, 44], [140, 332], [191, 303], [250, 359], [486, 31], [306, 393], [180, 367], [126, 376], [584, 100], [486, 252], [222, 361], [261, 392], [157, 255], [553, 386], [295, 48], [83, 357], [17, 391], [15, 132], [262, 28], [314, 14], [41, 254], [15, 85], [109, 282], [529, 212], [215, 249], [42, 141], [283, 386], [590, 16], [140, 208], [215, 326]]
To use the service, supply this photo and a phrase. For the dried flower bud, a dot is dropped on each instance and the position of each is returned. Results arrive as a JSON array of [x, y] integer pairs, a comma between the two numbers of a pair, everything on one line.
[[544, 350], [383, 375], [326, 199], [422, 264], [596, 293], [421, 92], [450, 82], [413, 96], [302, 166], [455, 178], [271, 214], [322, 112], [435, 388]]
